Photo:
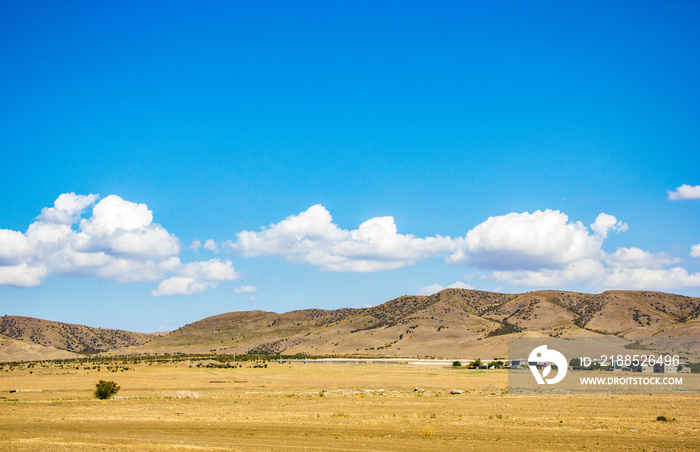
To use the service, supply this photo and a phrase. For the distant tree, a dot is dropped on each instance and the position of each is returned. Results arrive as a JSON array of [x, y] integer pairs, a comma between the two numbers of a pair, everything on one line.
[[475, 364], [505, 328], [106, 389], [456, 364], [497, 364]]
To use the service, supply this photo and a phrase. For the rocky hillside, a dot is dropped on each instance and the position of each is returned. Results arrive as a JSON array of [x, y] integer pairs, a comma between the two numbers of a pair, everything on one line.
[[451, 323], [69, 337], [448, 323]]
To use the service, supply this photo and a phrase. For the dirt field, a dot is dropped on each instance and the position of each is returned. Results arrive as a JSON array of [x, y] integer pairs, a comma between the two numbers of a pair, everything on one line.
[[325, 407]]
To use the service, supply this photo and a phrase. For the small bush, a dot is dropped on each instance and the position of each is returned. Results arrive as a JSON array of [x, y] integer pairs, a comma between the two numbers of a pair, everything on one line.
[[426, 432], [106, 389], [456, 364], [475, 364], [498, 364]]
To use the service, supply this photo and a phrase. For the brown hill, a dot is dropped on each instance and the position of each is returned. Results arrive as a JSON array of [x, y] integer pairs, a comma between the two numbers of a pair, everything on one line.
[[14, 350], [451, 323], [69, 337]]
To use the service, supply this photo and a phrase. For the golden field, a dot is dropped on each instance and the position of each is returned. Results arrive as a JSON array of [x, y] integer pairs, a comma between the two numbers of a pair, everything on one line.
[[294, 407]]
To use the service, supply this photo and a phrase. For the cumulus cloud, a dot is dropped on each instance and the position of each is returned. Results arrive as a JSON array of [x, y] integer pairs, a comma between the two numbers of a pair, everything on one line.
[[627, 268], [638, 258], [538, 249], [22, 275], [460, 285], [122, 227], [650, 278], [114, 213], [435, 288], [245, 289], [14, 247], [117, 241], [570, 274], [211, 246], [312, 237], [695, 250], [685, 191], [66, 208], [211, 270], [196, 277], [181, 285], [573, 256], [525, 240], [605, 223], [123, 270], [430, 289]]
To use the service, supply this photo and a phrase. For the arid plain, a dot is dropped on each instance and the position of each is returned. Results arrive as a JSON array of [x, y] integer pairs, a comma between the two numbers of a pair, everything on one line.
[[172, 406]]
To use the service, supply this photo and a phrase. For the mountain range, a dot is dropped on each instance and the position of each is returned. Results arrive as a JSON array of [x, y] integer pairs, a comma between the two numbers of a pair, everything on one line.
[[450, 323]]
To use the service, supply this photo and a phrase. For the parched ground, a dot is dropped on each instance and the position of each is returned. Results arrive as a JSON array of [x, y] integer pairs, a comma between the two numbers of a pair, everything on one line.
[[325, 407]]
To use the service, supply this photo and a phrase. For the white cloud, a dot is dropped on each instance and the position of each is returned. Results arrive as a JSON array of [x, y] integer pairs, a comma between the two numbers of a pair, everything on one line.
[[208, 245], [245, 289], [573, 273], [695, 250], [538, 249], [181, 285], [211, 270], [67, 207], [125, 228], [23, 275], [131, 270], [627, 268], [430, 289], [526, 241], [435, 288], [605, 223], [118, 241], [211, 246], [113, 213], [653, 279], [14, 247], [151, 241], [197, 277], [685, 191], [460, 285], [311, 237], [638, 258]]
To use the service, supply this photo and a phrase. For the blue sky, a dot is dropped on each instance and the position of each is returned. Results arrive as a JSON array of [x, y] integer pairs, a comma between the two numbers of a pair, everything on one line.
[[331, 155]]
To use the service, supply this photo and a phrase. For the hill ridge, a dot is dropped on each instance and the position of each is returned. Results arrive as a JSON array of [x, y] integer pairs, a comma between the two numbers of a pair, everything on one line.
[[411, 325], [68, 336]]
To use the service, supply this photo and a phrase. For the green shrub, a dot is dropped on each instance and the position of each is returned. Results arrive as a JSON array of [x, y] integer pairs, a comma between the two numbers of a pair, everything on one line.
[[456, 364], [105, 389], [475, 364]]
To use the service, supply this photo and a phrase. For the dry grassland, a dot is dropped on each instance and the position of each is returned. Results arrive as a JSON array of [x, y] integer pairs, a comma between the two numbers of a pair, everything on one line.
[[365, 407]]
